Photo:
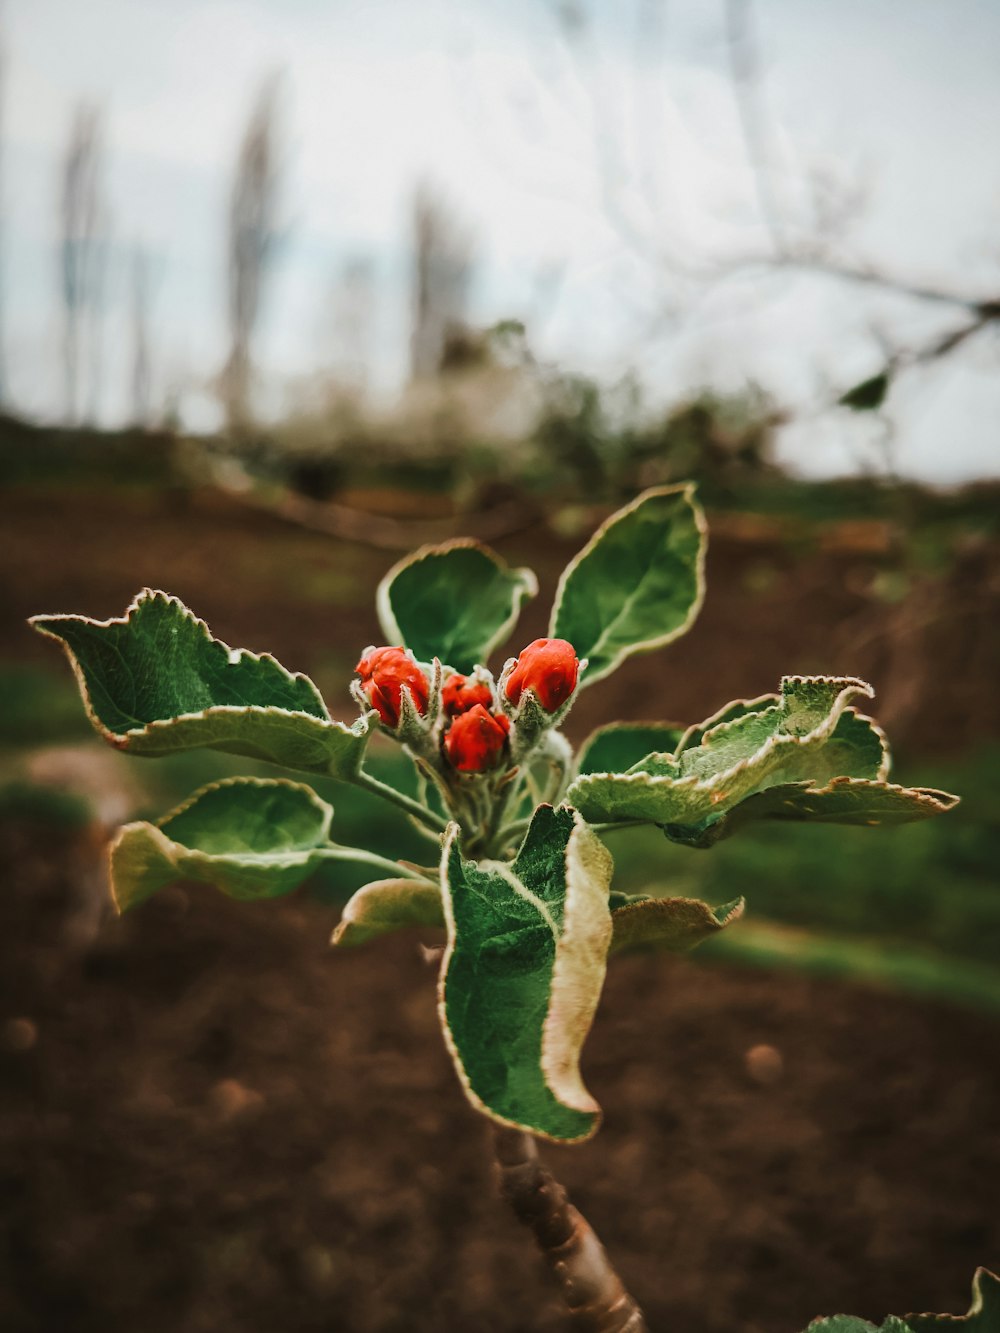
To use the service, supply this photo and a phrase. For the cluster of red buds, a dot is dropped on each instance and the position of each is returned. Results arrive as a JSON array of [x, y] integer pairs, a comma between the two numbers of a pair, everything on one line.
[[476, 736], [475, 730]]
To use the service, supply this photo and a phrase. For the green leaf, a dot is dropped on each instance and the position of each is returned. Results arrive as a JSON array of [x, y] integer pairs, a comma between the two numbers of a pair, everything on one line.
[[983, 1315], [614, 748], [868, 396], [777, 743], [806, 756], [385, 905], [670, 923], [457, 602], [738, 708], [249, 837], [841, 801], [841, 1323], [845, 1323], [155, 682], [637, 584], [523, 971]]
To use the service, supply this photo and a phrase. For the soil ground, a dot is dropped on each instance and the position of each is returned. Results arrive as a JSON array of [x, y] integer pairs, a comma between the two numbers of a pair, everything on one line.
[[211, 1122]]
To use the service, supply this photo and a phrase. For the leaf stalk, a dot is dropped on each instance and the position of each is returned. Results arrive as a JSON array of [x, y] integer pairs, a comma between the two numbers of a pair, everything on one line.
[[378, 788], [396, 869]]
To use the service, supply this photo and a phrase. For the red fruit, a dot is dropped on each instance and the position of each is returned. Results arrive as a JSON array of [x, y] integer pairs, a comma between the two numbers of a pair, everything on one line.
[[384, 672], [459, 694], [550, 668], [475, 740]]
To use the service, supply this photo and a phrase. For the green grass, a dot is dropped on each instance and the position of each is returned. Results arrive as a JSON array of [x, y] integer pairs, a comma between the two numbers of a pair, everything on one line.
[[885, 963], [40, 707], [932, 885]]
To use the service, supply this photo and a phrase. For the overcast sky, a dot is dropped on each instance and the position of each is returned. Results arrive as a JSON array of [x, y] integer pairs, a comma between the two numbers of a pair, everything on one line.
[[596, 172]]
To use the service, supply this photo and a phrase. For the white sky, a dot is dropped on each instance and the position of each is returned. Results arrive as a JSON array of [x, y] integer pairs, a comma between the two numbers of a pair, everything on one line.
[[553, 155]]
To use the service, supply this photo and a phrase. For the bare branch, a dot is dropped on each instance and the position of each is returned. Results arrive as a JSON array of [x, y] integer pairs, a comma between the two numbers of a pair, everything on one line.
[[744, 67], [252, 234], [442, 269], [140, 337], [866, 276], [83, 219]]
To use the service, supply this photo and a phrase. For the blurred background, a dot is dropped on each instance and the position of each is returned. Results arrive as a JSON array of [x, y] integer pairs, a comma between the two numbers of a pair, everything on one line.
[[286, 291]]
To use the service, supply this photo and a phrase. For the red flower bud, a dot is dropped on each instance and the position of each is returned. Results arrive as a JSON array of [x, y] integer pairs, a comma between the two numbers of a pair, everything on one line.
[[475, 740], [547, 666], [384, 672], [459, 694]]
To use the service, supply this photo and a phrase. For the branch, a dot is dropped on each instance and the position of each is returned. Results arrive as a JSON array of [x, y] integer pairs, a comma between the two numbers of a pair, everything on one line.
[[378, 530], [744, 72], [594, 1295], [987, 308]]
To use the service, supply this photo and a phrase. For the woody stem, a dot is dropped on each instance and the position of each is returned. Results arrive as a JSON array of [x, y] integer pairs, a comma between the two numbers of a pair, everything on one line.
[[593, 1292]]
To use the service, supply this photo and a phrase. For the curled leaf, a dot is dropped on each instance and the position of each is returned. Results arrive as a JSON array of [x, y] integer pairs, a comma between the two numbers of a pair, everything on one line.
[[386, 905], [250, 837], [802, 754], [155, 682], [678, 924], [615, 748], [983, 1315], [523, 971]]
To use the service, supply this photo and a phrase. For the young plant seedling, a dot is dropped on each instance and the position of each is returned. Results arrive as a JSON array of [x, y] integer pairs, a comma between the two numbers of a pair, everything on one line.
[[520, 879]]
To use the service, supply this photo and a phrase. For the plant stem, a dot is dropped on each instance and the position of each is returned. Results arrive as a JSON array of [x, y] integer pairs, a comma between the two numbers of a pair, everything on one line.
[[619, 823], [414, 808], [338, 853], [516, 829], [594, 1295]]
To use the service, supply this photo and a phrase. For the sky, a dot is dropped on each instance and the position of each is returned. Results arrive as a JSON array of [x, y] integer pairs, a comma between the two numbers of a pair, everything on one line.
[[599, 163]]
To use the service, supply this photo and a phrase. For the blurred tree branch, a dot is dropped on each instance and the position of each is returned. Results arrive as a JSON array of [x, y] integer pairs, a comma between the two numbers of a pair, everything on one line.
[[83, 219], [442, 271], [252, 236], [804, 215]]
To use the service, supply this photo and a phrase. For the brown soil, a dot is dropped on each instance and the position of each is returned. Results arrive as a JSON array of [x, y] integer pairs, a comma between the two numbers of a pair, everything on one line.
[[212, 1122]]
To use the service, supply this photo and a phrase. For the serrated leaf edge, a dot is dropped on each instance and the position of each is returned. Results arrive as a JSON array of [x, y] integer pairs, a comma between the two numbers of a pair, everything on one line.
[[977, 1306], [620, 726], [689, 491], [713, 720], [527, 585], [122, 739], [941, 801], [694, 783]]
